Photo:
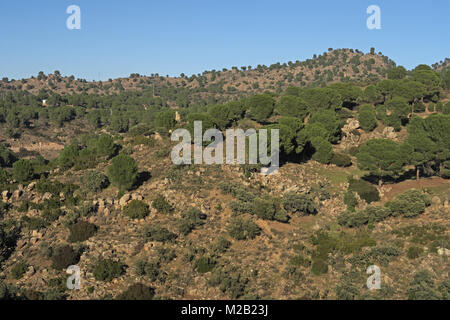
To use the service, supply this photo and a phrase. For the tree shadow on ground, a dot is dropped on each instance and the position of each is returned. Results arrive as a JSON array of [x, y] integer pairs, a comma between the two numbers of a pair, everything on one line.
[[142, 177]]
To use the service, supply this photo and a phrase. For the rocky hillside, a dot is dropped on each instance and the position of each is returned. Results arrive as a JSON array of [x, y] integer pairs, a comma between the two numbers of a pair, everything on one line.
[[332, 66]]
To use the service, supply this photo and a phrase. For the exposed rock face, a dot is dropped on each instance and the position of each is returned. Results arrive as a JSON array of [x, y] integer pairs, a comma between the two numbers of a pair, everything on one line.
[[47, 196], [389, 133], [177, 116], [124, 200], [31, 186], [5, 195], [352, 124], [16, 194], [350, 135]]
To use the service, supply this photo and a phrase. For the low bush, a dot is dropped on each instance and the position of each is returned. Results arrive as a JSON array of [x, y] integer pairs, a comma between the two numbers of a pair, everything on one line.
[[268, 209], [422, 287], [409, 204], [341, 160], [23, 170], [19, 269], [294, 202], [364, 189], [350, 200], [95, 181], [414, 252], [204, 264], [136, 209], [369, 215], [229, 280], [106, 270], [190, 219], [152, 270], [156, 233], [160, 203], [81, 231], [243, 229], [319, 266]]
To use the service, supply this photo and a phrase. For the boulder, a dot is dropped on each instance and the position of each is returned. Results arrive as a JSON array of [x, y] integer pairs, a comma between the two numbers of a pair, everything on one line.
[[5, 195], [47, 196], [124, 200], [31, 186], [16, 194]]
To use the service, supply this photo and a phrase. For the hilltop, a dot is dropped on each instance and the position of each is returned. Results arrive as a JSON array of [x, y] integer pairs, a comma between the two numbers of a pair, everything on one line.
[[339, 65]]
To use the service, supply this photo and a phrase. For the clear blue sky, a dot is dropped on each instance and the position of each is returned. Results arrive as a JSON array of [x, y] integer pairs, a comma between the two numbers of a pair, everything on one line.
[[169, 37]]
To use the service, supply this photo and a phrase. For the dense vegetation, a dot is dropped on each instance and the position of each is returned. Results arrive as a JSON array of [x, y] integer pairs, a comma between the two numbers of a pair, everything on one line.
[[94, 188]]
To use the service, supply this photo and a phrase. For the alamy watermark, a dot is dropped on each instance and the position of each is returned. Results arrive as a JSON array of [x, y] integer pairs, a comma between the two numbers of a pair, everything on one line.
[[74, 281], [235, 139], [374, 20], [374, 281], [73, 22]]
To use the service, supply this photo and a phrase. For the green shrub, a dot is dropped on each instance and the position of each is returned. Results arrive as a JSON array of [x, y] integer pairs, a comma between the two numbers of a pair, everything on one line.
[[323, 150], [23, 170], [221, 245], [95, 181], [190, 219], [106, 270], [123, 172], [136, 209], [422, 287], [243, 229], [229, 280], [260, 106], [105, 147], [64, 256], [351, 219], [34, 223], [378, 255], [4, 177], [409, 204], [4, 207], [377, 213], [294, 202], [341, 160], [367, 117], [204, 264], [268, 209], [419, 107], [236, 191], [137, 291], [350, 200], [156, 233], [319, 266], [364, 189], [414, 252], [68, 156], [19, 269], [161, 204], [300, 260], [369, 214], [7, 158], [446, 108], [347, 291], [438, 107], [152, 270], [81, 231]]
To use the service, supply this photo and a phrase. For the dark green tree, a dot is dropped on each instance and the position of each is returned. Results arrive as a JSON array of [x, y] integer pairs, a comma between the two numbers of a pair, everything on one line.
[[23, 170], [367, 117], [382, 158], [123, 172], [260, 107]]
